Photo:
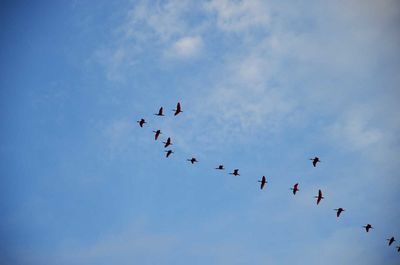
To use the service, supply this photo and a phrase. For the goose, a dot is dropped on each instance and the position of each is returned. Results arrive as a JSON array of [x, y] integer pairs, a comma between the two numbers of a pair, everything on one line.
[[263, 181], [160, 112], [169, 152], [319, 197], [192, 160], [315, 160], [339, 211], [368, 227], [235, 172], [178, 109], [167, 143], [391, 240], [295, 188], [157, 133], [141, 122]]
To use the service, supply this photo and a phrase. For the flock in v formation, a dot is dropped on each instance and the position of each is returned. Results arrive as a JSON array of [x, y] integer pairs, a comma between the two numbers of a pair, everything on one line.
[[235, 172]]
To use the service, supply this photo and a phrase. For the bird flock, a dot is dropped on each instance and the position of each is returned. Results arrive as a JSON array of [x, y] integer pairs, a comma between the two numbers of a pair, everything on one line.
[[235, 171]]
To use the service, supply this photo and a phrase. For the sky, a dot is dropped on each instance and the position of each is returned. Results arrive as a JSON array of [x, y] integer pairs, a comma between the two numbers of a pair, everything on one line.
[[264, 86]]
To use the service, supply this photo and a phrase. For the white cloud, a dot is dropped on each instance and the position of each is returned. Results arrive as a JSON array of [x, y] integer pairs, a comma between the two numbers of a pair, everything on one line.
[[160, 21], [254, 86], [186, 47], [354, 132], [113, 61], [237, 16]]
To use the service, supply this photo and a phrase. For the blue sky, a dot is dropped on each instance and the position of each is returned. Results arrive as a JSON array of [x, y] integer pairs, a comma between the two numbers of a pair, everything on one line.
[[264, 86]]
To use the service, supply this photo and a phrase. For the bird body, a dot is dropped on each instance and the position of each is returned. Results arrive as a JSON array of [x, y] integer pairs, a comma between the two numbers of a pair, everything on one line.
[[263, 181], [368, 227], [169, 152], [160, 112], [192, 160], [339, 211], [178, 109], [398, 248], [391, 240], [235, 172], [220, 167], [319, 197], [295, 188], [168, 142], [157, 133], [315, 160], [141, 122]]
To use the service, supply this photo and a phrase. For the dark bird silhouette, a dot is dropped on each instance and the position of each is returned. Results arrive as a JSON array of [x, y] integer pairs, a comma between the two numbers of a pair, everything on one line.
[[319, 197], [263, 181], [368, 227], [160, 112], [167, 143], [235, 172], [169, 152], [192, 160], [141, 122], [220, 167], [315, 160], [178, 109], [339, 211], [391, 240], [398, 248], [295, 188], [157, 133]]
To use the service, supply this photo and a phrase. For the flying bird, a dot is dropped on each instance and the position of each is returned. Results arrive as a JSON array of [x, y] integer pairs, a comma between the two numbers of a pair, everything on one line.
[[339, 211], [169, 152], [295, 188], [315, 160], [160, 112], [141, 122], [157, 133], [368, 227], [167, 143], [192, 160], [178, 109], [263, 181], [398, 248], [319, 197], [391, 240], [220, 167], [235, 172]]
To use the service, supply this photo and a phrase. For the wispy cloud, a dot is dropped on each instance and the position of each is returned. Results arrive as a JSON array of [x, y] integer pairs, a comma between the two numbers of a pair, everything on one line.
[[282, 70], [239, 16], [256, 82], [185, 48]]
